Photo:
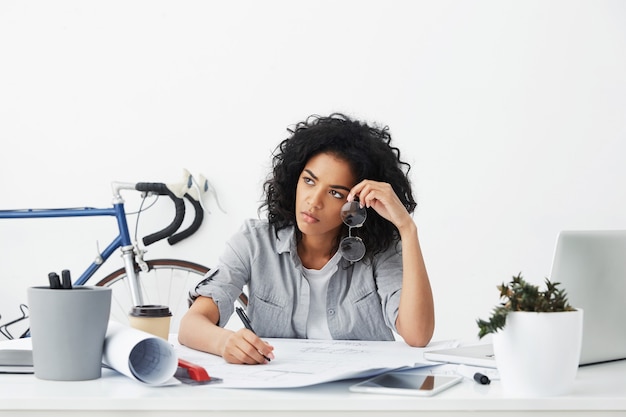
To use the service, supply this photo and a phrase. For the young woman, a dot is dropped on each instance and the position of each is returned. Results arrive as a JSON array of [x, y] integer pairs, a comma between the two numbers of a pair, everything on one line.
[[303, 276]]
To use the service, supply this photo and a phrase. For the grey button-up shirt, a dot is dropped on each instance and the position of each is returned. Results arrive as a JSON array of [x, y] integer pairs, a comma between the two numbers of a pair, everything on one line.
[[361, 303]]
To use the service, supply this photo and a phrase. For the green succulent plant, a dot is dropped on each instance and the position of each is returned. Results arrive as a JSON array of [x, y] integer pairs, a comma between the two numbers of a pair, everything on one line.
[[519, 295]]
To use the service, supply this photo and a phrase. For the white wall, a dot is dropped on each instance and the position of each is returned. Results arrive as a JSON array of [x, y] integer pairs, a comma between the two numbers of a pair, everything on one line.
[[511, 112]]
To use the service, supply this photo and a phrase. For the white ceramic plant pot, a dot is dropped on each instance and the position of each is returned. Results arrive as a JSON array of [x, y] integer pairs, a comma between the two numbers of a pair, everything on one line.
[[538, 354]]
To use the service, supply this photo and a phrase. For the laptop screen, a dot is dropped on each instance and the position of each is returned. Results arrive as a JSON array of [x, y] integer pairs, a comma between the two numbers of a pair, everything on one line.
[[591, 267]]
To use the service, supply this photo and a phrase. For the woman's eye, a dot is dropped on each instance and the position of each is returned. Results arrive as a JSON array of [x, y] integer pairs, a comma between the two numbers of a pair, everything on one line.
[[308, 180], [337, 194]]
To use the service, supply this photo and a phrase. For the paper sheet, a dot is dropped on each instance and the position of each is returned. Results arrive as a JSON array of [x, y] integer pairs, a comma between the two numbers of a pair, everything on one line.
[[139, 355], [303, 362]]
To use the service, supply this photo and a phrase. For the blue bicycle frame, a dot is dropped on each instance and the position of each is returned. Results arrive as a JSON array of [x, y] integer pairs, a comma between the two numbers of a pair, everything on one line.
[[130, 253], [122, 240]]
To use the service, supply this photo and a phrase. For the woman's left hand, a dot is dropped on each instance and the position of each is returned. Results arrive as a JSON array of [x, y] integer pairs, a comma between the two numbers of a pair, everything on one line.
[[381, 197]]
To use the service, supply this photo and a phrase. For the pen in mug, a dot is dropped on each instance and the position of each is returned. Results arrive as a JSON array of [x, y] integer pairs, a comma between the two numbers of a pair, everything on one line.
[[55, 282], [67, 279], [246, 322]]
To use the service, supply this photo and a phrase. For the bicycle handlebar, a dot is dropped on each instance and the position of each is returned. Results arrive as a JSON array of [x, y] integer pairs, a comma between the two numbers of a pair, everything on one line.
[[195, 225], [162, 189], [170, 230], [173, 191]]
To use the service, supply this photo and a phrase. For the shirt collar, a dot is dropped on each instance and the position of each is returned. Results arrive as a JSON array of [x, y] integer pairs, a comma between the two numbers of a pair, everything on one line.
[[286, 240]]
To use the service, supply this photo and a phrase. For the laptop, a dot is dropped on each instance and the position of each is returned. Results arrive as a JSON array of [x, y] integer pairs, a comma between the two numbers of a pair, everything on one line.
[[591, 267], [480, 355]]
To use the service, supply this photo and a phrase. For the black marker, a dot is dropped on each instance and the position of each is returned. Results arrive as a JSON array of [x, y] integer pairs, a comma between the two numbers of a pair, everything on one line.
[[246, 322], [55, 282], [476, 376], [67, 280], [481, 378]]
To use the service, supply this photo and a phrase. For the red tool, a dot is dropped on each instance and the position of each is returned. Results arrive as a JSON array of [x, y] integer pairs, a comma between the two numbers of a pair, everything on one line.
[[194, 374]]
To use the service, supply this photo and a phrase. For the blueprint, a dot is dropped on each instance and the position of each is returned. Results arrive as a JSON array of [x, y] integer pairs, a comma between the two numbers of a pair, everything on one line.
[[303, 362]]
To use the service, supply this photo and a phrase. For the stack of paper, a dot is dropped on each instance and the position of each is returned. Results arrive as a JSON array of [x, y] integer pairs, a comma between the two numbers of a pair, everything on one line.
[[16, 361]]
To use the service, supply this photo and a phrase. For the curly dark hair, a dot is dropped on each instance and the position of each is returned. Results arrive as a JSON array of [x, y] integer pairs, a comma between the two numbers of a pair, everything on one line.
[[368, 150]]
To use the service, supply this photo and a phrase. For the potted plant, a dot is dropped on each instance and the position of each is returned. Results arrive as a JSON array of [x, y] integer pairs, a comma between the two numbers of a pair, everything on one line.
[[537, 337]]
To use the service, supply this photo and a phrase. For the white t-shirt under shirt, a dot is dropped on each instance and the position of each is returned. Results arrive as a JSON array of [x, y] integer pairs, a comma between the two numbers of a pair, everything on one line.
[[317, 323]]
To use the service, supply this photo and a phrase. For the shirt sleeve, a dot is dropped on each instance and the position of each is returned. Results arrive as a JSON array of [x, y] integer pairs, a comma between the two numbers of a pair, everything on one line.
[[226, 281], [388, 276]]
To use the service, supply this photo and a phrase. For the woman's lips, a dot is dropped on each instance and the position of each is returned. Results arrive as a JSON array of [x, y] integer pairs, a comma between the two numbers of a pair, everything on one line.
[[308, 218]]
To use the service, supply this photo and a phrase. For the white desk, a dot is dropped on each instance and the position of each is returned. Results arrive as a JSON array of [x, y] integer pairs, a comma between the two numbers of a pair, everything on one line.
[[598, 390]]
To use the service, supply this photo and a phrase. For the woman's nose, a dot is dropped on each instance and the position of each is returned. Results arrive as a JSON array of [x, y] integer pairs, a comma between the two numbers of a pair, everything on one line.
[[315, 199]]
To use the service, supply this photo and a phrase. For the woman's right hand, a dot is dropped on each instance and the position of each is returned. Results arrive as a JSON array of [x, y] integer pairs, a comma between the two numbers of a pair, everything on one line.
[[198, 330], [245, 347]]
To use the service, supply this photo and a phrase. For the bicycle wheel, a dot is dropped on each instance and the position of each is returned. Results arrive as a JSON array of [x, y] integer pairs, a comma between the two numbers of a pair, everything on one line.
[[167, 282]]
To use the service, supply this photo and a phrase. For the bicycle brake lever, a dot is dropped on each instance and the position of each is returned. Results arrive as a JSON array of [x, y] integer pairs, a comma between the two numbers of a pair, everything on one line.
[[143, 265], [203, 186]]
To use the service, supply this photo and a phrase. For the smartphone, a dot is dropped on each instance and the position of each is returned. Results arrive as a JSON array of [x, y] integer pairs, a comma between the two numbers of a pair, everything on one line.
[[406, 383]]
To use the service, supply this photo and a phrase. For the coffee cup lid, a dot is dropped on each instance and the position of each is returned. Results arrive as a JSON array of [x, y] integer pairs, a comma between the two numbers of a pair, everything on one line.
[[150, 311]]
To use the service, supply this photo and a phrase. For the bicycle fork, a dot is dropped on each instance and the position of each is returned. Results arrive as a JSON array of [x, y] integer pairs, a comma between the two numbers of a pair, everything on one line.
[[128, 256]]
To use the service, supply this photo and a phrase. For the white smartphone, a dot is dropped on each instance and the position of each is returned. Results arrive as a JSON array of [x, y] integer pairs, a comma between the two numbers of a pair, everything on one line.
[[406, 383]]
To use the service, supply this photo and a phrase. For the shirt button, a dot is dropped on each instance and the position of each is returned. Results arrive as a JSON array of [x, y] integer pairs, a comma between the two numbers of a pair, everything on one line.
[[331, 311]]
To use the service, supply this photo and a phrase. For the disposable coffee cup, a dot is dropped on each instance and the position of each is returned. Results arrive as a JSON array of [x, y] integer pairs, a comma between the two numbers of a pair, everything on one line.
[[68, 328], [154, 319]]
